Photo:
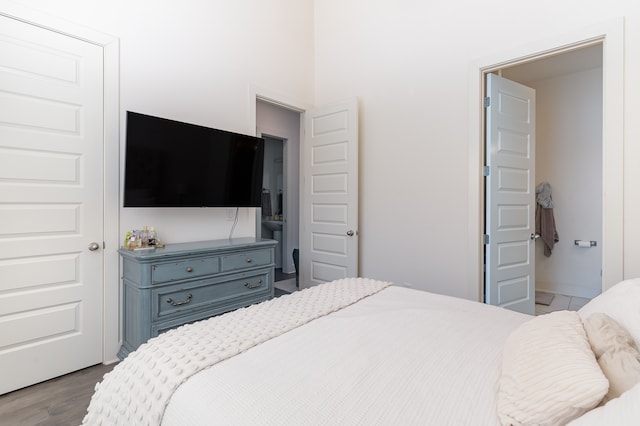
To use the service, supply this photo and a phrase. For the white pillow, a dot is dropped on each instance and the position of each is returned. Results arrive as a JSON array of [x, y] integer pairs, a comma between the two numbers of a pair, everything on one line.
[[549, 373], [622, 303], [620, 411], [616, 352]]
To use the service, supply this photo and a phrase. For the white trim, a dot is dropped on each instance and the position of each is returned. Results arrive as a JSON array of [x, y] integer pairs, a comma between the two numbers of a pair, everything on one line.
[[257, 93], [611, 35], [111, 48], [112, 288], [35, 17]]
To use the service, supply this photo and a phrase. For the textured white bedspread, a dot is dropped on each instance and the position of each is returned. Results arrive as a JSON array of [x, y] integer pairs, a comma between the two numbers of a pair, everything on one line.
[[137, 390], [397, 357]]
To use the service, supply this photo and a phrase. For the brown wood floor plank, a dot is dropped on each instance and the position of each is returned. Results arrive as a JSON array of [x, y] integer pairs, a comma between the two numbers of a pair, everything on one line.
[[61, 401]]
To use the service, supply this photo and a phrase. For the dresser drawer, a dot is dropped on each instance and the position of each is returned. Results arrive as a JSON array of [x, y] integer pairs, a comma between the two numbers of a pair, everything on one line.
[[186, 282], [179, 299], [244, 260], [172, 271]]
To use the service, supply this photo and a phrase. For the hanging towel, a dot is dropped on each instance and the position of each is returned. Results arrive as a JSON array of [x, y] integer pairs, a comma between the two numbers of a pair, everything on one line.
[[545, 221], [266, 203], [543, 195]]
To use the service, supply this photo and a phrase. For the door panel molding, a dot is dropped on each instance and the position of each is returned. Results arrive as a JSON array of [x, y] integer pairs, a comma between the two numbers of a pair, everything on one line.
[[510, 195], [329, 198], [111, 116], [611, 34]]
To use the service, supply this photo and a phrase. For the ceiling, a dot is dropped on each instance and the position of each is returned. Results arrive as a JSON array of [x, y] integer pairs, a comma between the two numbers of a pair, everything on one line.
[[554, 66]]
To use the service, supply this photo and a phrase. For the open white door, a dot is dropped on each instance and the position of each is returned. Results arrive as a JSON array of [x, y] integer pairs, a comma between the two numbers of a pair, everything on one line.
[[51, 217], [329, 199], [510, 195]]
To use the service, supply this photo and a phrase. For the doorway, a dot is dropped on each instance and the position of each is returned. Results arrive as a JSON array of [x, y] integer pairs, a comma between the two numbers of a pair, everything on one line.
[[610, 34], [280, 127], [568, 156], [327, 163], [274, 195]]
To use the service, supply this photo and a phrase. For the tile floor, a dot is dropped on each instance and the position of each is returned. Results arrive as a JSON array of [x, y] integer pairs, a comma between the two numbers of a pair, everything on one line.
[[562, 302], [281, 276], [285, 282]]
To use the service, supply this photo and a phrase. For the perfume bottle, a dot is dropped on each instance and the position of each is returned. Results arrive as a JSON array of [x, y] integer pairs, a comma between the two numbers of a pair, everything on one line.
[[133, 240], [152, 237], [144, 237]]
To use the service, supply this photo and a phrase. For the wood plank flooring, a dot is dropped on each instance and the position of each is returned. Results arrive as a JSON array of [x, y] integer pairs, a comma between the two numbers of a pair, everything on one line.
[[62, 401]]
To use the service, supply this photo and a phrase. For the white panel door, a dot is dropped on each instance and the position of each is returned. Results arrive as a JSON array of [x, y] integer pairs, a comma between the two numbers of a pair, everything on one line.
[[51, 204], [510, 195], [329, 202]]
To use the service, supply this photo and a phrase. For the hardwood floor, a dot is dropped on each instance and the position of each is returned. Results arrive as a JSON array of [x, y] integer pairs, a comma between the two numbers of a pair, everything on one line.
[[62, 401]]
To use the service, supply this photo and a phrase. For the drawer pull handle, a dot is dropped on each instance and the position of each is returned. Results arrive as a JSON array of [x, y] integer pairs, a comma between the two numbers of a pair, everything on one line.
[[189, 269], [184, 302], [247, 285], [249, 260]]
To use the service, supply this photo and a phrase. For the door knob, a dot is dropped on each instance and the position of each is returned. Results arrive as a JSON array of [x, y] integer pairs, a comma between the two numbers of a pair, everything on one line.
[[350, 233], [534, 236], [94, 246]]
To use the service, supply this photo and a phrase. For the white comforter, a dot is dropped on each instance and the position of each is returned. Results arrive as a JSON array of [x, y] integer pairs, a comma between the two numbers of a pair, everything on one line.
[[397, 357], [137, 390]]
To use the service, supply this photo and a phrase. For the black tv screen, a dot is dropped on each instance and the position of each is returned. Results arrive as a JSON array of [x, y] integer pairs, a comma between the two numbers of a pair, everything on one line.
[[174, 164]]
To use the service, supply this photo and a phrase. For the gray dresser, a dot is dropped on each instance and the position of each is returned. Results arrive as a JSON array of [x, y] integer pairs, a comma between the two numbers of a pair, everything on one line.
[[181, 283]]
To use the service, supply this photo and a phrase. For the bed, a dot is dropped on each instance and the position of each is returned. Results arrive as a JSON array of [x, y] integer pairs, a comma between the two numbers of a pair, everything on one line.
[[361, 351]]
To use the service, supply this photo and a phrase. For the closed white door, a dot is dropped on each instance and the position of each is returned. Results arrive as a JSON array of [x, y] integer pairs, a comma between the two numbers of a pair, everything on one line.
[[510, 195], [51, 204], [329, 206]]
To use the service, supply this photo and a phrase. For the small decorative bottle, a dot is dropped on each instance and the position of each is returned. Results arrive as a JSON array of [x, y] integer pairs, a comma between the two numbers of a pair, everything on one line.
[[133, 242], [144, 237], [152, 236]]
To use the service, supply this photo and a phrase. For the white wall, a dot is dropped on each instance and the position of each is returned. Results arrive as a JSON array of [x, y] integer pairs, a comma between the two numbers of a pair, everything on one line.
[[569, 156], [409, 62], [196, 62]]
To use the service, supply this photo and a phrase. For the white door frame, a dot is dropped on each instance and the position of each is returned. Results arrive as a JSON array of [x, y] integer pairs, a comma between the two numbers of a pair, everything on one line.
[[611, 35], [265, 95], [110, 46]]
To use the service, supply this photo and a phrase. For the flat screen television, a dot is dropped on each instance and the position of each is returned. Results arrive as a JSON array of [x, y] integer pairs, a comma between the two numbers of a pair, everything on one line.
[[175, 164]]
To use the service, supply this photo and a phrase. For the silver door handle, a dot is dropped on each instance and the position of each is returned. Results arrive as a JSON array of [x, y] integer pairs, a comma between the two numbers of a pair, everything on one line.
[[534, 236], [94, 246], [350, 233]]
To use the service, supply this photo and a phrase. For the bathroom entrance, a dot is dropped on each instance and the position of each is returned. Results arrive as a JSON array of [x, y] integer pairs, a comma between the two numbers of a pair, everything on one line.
[[567, 159], [280, 216]]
